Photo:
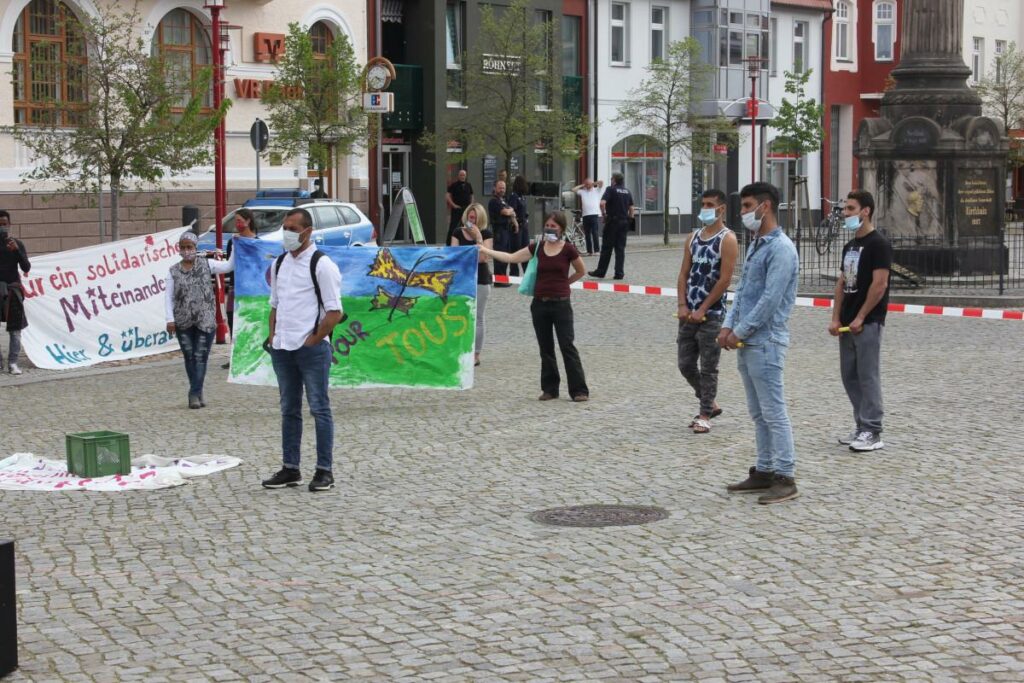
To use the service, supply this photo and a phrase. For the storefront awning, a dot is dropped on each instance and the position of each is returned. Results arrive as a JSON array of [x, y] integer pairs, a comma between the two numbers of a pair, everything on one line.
[[391, 10]]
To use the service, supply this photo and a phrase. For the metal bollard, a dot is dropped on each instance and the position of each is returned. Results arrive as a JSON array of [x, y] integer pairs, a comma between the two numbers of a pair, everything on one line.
[[8, 611]]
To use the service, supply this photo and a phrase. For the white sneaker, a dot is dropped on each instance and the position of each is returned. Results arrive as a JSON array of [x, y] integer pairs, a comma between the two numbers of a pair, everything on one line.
[[867, 441], [849, 438], [14, 369]]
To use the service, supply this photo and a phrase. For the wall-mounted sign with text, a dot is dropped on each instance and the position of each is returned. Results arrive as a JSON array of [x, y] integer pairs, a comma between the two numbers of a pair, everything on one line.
[[502, 64]]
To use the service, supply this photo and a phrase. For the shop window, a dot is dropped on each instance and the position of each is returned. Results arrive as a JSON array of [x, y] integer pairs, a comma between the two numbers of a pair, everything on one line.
[[49, 64], [641, 161]]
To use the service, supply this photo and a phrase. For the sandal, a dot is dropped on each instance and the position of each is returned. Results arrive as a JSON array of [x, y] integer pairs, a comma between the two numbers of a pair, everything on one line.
[[701, 426]]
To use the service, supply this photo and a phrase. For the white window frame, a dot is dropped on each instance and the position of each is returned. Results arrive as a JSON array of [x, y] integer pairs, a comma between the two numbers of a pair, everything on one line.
[[977, 59], [661, 28], [841, 40], [773, 51], [890, 21], [460, 38], [623, 25], [803, 42], [1000, 49]]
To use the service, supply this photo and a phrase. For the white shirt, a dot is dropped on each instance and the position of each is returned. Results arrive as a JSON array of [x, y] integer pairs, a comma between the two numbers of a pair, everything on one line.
[[293, 297], [216, 267], [591, 200]]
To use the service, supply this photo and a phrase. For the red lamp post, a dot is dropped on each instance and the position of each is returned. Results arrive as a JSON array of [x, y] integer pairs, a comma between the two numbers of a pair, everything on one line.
[[220, 46], [754, 72]]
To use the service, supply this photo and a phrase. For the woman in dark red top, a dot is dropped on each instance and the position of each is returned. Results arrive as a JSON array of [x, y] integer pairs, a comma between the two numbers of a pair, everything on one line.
[[551, 310]]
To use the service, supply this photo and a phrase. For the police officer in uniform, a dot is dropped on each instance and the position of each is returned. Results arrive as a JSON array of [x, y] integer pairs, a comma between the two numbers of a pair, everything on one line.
[[617, 209]]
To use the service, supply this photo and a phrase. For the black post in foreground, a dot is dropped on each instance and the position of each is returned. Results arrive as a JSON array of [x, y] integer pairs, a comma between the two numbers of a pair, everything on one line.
[[8, 608]]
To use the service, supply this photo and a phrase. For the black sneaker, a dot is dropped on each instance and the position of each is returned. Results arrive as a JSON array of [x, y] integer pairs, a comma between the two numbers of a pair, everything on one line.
[[323, 480], [783, 489], [593, 273], [286, 477], [756, 481]]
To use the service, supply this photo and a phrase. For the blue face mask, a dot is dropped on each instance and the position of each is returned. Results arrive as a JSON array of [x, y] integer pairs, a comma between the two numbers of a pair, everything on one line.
[[707, 216], [853, 223]]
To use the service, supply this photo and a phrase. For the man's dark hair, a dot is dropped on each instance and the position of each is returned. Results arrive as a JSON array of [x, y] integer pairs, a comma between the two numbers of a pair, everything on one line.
[[717, 195], [317, 183], [307, 219], [4, 214], [763, 192], [618, 178], [866, 201]]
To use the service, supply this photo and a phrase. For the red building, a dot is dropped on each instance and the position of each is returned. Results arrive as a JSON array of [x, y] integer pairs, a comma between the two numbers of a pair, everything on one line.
[[862, 46]]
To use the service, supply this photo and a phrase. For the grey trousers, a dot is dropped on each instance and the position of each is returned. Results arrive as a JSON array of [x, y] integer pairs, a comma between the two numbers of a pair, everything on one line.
[[483, 292], [15, 348], [860, 366], [698, 341]]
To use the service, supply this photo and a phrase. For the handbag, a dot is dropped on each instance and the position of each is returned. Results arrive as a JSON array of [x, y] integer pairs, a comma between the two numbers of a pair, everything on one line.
[[529, 280]]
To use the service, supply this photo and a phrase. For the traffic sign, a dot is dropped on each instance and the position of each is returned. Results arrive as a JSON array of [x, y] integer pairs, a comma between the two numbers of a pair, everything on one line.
[[259, 135]]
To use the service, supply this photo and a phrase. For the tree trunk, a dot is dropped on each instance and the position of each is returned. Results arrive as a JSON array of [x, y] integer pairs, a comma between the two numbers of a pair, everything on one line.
[[115, 196]]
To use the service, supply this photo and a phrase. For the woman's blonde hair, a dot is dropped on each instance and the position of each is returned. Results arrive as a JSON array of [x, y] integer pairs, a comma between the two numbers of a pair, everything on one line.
[[481, 215]]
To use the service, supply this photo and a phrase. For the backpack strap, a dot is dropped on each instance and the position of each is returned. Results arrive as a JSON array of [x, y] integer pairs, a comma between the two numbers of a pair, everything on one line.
[[316, 287]]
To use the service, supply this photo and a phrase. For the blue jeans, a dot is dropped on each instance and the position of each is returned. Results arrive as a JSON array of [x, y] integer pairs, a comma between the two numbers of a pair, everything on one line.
[[307, 366], [195, 348], [761, 369]]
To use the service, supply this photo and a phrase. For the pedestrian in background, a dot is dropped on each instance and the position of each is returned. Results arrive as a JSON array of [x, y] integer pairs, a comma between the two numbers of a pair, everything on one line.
[[708, 262], [474, 230], [617, 209], [861, 302], [551, 309], [759, 320], [590, 193], [502, 220], [457, 198], [305, 305], [190, 306], [245, 228], [521, 230], [13, 262]]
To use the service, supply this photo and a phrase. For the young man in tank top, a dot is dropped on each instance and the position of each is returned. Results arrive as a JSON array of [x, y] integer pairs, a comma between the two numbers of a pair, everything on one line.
[[708, 263]]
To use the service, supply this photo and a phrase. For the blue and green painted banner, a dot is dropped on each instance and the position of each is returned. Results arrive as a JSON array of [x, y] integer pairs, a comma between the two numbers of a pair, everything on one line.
[[411, 316]]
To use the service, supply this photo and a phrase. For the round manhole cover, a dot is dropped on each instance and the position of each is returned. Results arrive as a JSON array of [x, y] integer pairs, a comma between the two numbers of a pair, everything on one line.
[[599, 515]]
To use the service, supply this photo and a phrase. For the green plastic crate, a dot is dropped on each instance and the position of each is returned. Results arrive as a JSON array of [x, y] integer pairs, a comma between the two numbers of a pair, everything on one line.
[[98, 454]]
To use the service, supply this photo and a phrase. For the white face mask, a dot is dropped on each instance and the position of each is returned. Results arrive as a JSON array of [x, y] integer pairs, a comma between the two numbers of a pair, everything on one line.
[[750, 220], [551, 235], [292, 240], [188, 254], [852, 223], [708, 216]]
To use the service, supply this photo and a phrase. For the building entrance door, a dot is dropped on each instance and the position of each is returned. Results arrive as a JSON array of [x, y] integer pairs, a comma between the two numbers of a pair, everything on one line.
[[394, 176]]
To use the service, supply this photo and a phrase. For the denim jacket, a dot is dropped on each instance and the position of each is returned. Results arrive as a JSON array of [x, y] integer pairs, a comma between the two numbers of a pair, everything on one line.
[[767, 291]]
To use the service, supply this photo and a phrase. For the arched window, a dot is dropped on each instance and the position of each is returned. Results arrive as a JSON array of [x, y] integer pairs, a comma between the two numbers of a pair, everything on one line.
[[49, 64], [322, 37], [842, 30], [185, 46], [641, 161]]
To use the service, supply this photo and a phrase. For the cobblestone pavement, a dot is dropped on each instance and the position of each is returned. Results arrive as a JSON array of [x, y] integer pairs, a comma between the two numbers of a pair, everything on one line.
[[905, 564]]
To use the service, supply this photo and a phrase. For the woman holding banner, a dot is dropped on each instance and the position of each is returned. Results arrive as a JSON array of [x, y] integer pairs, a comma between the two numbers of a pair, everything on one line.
[[474, 230], [190, 311], [551, 310]]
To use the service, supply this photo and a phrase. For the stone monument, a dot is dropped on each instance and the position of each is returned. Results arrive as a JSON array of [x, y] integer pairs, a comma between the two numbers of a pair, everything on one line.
[[935, 164]]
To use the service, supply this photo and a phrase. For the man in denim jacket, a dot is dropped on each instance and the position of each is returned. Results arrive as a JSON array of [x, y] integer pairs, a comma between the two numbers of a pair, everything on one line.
[[758, 325]]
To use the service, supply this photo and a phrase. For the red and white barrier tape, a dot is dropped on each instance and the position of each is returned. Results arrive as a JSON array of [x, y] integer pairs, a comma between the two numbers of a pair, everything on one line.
[[948, 311]]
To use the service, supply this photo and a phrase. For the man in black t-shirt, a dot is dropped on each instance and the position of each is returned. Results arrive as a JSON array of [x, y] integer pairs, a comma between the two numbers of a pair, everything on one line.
[[617, 209], [861, 301], [503, 223], [457, 198]]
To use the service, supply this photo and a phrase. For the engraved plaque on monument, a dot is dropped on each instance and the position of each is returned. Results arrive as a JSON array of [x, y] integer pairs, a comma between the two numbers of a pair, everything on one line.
[[976, 202]]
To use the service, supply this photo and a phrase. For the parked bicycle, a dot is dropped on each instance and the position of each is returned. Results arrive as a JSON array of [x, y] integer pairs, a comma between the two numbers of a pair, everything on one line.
[[574, 233], [826, 231]]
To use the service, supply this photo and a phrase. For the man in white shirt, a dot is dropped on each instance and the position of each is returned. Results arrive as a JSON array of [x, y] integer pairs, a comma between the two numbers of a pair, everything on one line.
[[301, 318], [590, 199]]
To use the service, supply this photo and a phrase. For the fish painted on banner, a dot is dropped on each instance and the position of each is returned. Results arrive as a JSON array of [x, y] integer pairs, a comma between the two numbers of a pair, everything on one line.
[[437, 281]]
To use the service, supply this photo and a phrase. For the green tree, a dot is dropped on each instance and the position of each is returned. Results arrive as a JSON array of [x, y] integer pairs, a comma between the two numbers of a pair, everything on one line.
[[666, 107], [315, 106], [510, 82], [138, 122], [799, 124], [1002, 95]]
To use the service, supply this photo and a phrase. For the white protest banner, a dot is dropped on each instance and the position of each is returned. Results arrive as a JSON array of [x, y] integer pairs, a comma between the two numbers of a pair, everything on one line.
[[99, 304], [27, 472]]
